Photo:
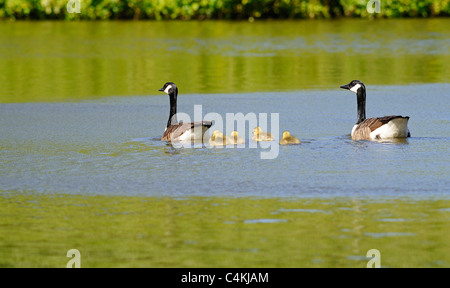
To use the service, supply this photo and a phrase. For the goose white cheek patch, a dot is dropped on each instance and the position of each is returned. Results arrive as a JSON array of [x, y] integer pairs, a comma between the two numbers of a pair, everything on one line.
[[355, 88], [167, 89]]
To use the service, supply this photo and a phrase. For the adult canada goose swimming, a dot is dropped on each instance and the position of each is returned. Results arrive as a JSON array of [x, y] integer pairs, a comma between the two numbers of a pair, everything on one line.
[[235, 139], [218, 139], [259, 135], [288, 139], [375, 128], [181, 131]]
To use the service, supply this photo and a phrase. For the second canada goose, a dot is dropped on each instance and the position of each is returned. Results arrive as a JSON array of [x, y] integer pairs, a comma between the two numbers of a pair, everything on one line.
[[176, 131], [259, 135], [386, 127], [235, 139], [288, 139]]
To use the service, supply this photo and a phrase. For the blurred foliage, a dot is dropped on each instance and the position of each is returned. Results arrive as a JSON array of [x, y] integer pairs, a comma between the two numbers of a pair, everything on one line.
[[219, 9]]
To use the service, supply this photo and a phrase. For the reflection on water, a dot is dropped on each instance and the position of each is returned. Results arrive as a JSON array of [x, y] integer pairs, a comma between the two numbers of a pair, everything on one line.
[[389, 234], [220, 232], [63, 61]]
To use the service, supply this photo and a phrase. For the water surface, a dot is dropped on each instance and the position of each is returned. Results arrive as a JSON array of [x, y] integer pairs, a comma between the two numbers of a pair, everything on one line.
[[112, 147], [54, 61], [123, 231], [82, 165]]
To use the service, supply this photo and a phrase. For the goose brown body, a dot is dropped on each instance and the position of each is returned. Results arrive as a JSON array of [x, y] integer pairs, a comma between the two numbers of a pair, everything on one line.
[[364, 129], [176, 131]]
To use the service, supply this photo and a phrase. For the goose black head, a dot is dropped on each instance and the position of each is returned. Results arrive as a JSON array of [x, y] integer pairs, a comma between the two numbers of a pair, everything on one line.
[[169, 88], [359, 89], [354, 86]]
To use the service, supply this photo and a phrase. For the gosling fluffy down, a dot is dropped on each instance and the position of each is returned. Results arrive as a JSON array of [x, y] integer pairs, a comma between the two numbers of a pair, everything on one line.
[[218, 139], [235, 139], [259, 135], [288, 139]]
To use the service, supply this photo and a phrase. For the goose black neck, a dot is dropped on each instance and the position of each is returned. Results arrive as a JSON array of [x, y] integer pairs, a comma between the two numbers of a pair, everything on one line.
[[361, 100], [173, 109]]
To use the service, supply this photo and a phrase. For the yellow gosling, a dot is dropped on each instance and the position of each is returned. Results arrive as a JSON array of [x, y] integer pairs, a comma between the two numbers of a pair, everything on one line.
[[235, 139], [288, 139], [213, 136], [259, 135], [217, 139]]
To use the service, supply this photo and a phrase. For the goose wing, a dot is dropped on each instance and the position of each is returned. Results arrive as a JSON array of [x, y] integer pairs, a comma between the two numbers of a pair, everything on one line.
[[175, 131], [363, 130]]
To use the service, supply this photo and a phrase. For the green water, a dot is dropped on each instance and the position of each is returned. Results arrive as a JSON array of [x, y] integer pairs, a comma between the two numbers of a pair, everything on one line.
[[60, 61], [82, 166], [221, 232]]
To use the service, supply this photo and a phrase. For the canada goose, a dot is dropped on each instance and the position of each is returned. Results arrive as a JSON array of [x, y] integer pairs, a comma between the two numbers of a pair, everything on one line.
[[259, 135], [375, 128], [235, 139], [181, 131], [218, 139], [288, 139]]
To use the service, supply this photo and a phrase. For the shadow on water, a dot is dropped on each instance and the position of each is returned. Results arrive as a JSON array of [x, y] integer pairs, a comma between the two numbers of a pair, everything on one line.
[[365, 143], [393, 141]]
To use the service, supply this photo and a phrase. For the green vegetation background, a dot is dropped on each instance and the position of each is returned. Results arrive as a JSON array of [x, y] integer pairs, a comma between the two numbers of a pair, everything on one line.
[[219, 9]]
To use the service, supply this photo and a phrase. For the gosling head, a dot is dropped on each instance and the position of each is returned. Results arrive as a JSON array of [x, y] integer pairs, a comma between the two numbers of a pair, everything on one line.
[[214, 134], [234, 134], [169, 88], [286, 134], [354, 86], [257, 130]]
